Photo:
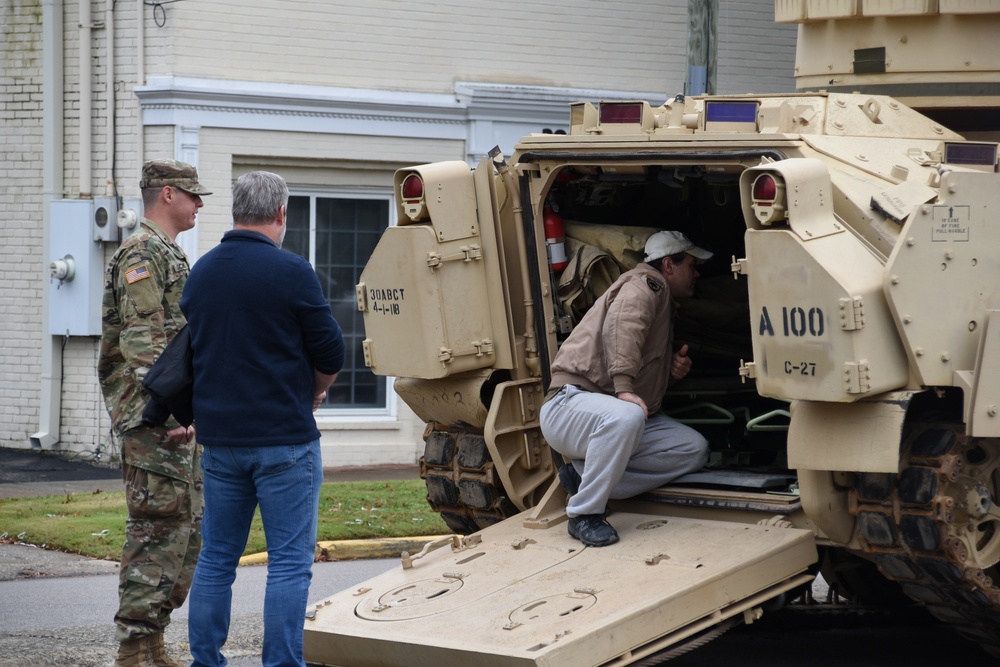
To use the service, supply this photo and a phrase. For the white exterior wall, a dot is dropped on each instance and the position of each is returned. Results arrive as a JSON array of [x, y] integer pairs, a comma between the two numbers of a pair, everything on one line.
[[755, 55], [327, 93], [20, 205], [86, 426], [425, 47]]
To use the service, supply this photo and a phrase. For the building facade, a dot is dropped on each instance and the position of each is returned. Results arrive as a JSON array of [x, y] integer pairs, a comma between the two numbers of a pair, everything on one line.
[[334, 96]]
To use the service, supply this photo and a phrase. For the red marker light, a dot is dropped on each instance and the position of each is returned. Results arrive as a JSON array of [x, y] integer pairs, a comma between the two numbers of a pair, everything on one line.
[[413, 187], [621, 113], [765, 190], [767, 198]]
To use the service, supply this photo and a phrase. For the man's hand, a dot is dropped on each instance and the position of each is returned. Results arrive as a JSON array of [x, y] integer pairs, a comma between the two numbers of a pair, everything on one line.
[[181, 434], [321, 382], [629, 397], [681, 365]]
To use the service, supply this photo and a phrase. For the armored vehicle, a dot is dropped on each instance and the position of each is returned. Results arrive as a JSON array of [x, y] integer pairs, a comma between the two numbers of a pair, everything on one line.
[[843, 335]]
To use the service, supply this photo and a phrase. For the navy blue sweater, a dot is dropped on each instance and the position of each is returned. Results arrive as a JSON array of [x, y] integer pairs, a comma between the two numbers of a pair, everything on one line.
[[259, 326]]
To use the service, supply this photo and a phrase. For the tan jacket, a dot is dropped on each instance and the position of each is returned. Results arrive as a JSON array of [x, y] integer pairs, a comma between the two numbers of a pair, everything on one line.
[[624, 342]]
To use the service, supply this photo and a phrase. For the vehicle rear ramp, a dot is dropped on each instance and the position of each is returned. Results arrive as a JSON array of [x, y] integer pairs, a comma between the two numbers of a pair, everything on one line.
[[516, 596]]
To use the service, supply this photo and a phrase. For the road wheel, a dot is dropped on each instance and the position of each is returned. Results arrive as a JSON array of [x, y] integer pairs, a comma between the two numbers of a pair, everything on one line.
[[935, 528]]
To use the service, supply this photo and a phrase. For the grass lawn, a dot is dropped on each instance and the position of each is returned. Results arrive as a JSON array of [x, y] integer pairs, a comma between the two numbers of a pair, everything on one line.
[[93, 524]]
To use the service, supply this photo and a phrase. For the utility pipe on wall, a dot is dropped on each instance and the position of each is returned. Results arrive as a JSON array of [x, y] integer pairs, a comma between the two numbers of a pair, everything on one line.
[[50, 392], [86, 99], [109, 31], [140, 78]]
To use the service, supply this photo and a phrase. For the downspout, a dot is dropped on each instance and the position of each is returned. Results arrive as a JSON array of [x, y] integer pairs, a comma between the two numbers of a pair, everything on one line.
[[50, 393], [86, 100], [140, 79], [109, 30]]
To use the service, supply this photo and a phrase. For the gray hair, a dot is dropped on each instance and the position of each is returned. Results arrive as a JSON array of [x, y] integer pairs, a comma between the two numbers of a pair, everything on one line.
[[257, 196]]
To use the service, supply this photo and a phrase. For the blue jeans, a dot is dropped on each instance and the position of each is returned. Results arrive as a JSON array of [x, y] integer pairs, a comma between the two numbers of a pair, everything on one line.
[[285, 481]]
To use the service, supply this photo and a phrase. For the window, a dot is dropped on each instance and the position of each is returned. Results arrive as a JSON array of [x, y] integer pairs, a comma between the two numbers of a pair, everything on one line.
[[337, 234]]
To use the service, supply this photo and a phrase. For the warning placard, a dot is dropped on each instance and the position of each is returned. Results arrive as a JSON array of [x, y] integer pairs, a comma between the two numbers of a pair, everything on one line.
[[950, 223]]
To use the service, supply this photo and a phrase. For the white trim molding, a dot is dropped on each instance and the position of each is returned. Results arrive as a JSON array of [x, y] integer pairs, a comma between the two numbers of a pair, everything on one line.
[[187, 142], [482, 115]]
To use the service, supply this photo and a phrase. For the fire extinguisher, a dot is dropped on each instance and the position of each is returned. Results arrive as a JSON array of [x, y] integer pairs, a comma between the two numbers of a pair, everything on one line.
[[555, 239]]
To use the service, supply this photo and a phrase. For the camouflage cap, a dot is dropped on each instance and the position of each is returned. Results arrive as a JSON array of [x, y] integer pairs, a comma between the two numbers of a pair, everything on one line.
[[158, 173]]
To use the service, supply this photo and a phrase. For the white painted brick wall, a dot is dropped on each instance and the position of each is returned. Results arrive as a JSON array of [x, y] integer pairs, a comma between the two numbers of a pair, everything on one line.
[[85, 422], [127, 162], [20, 205], [617, 45], [159, 141]]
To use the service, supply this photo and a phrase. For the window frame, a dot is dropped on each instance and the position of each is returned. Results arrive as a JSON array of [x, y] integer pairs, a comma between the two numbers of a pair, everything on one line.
[[350, 414]]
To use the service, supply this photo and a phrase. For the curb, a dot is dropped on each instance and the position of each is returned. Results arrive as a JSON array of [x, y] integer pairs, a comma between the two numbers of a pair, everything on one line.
[[356, 549]]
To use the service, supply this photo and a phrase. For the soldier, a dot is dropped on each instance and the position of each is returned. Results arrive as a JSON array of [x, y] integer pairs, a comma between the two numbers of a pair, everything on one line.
[[141, 314]]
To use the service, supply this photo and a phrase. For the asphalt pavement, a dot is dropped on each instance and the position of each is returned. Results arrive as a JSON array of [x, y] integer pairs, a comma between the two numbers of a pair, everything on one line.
[[59, 612], [28, 473]]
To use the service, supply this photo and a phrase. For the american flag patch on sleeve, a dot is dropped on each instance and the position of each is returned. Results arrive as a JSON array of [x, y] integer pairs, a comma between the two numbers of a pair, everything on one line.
[[136, 273]]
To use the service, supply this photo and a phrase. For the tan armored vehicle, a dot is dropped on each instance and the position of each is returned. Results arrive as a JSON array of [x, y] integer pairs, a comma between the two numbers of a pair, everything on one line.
[[846, 336]]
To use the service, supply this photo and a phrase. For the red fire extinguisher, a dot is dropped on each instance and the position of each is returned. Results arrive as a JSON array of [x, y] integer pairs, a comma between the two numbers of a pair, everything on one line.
[[555, 239]]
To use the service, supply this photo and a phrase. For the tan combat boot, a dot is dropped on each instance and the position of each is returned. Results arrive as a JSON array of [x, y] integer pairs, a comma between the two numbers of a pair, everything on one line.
[[134, 653], [158, 652]]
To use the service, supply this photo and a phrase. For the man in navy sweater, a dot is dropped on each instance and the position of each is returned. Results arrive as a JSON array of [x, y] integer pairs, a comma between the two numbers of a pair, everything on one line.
[[265, 349]]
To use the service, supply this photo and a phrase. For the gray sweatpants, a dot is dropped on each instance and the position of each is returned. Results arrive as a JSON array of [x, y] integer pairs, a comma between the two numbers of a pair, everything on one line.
[[618, 453]]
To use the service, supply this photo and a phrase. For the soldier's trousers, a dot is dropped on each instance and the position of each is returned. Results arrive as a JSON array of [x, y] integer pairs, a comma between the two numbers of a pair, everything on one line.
[[162, 541]]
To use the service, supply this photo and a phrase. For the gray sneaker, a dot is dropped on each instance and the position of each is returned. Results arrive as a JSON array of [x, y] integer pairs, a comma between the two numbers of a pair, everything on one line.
[[593, 530]]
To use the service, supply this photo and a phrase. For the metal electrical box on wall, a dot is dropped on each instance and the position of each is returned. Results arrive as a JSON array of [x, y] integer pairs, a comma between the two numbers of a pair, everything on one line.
[[76, 265], [129, 217]]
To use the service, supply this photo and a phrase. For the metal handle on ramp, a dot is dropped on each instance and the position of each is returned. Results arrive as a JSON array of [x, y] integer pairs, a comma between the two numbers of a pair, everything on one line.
[[457, 544]]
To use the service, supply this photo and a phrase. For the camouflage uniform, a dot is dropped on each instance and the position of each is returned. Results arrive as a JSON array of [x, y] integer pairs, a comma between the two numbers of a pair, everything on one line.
[[163, 480]]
